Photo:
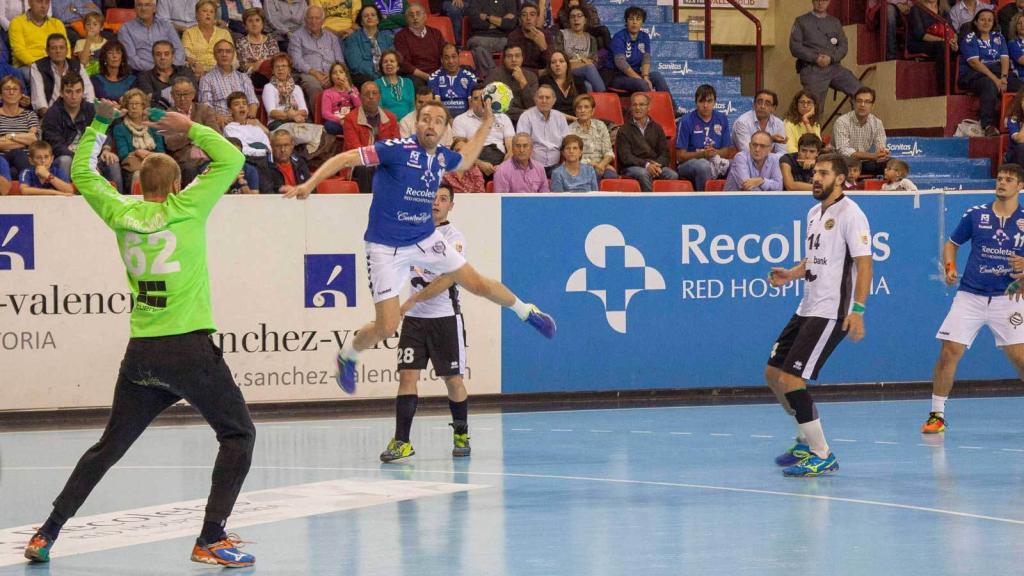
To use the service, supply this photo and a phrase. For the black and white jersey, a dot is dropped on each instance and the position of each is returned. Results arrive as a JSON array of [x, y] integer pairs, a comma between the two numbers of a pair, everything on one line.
[[834, 239], [446, 304]]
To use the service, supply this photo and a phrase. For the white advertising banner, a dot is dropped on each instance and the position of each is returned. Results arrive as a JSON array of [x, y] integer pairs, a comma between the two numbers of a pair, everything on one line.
[[748, 4], [288, 282]]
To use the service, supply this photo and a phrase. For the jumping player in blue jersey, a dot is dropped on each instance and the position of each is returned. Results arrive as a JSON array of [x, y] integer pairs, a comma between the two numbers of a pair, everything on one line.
[[401, 233], [996, 234]]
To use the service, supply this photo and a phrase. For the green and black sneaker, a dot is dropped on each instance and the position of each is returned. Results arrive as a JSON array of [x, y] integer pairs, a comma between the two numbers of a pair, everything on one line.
[[396, 450], [460, 439]]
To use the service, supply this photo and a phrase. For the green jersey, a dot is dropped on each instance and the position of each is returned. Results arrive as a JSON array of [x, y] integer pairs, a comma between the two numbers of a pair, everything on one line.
[[162, 244]]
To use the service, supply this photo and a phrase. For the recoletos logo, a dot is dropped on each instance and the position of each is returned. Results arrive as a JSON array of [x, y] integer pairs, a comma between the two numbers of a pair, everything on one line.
[[618, 272], [17, 242], [330, 280]]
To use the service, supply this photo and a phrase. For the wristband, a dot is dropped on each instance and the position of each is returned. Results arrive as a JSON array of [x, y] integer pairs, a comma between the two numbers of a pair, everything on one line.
[[950, 267], [858, 308]]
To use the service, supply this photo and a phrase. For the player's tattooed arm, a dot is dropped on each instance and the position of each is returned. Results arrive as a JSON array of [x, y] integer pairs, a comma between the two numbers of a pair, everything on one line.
[[782, 276], [338, 162]]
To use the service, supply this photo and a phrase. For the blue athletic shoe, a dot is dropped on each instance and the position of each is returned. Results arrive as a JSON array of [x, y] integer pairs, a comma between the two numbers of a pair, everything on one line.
[[794, 455], [544, 323], [813, 466], [224, 553], [346, 374]]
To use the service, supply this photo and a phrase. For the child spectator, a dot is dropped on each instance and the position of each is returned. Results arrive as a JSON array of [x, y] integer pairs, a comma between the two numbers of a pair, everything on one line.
[[339, 99], [895, 175], [572, 175], [87, 49], [43, 179], [853, 166]]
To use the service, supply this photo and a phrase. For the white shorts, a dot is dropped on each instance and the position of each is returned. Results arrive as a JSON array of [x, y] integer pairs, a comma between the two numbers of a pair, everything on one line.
[[389, 267], [1004, 317]]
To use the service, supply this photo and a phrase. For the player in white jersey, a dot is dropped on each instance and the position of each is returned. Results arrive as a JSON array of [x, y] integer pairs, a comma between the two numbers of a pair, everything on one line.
[[837, 276], [432, 329]]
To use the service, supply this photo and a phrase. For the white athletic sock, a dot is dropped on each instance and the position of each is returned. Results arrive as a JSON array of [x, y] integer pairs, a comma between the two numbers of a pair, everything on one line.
[[349, 352], [815, 437], [939, 403], [800, 436], [522, 309]]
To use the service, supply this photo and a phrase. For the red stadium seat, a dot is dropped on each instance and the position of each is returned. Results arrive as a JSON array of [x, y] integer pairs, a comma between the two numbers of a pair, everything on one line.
[[619, 185], [15, 188], [672, 186], [465, 31], [136, 188], [1004, 110], [444, 24], [608, 107], [116, 17], [661, 111], [490, 186], [714, 186], [466, 59], [873, 184], [314, 106], [1004, 145], [337, 186]]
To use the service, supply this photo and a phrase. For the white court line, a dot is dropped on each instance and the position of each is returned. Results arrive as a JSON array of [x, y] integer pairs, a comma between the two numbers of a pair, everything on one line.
[[641, 432], [601, 431], [842, 440], [561, 430], [1011, 450], [886, 442], [761, 436], [521, 429], [681, 433], [971, 447], [719, 434], [930, 445]]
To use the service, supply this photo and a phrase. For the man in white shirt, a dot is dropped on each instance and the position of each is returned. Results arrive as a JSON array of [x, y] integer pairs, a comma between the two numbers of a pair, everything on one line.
[[761, 119], [498, 146], [546, 127], [45, 74]]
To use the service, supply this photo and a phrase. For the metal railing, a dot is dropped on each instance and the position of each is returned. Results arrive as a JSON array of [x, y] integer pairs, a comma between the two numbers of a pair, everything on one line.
[[759, 47], [884, 35]]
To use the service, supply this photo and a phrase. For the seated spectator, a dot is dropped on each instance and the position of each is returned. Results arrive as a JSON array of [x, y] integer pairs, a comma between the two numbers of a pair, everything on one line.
[[498, 145], [756, 169], [573, 175], [801, 118], [114, 77], [860, 134], [597, 144], [964, 11], [365, 125], [397, 92], [71, 13], [452, 83], [286, 108], [11, 9], [139, 35], [1014, 122], [44, 179], [1006, 14], [87, 49], [490, 22], [985, 69], [189, 156], [798, 167], [290, 168], [471, 180], [29, 31], [565, 86], [7, 70], [338, 100], [892, 10], [392, 14], [232, 14], [65, 122], [762, 118], [896, 172], [217, 84], [339, 15], [642, 147], [520, 173], [200, 39], [407, 125], [929, 35], [256, 47], [157, 82], [547, 128], [522, 81], [703, 140], [313, 51], [46, 74], [593, 19], [134, 140], [582, 49], [254, 138], [248, 179], [285, 16], [18, 127], [818, 43], [853, 167], [420, 46], [630, 58], [180, 13], [536, 41], [364, 46]]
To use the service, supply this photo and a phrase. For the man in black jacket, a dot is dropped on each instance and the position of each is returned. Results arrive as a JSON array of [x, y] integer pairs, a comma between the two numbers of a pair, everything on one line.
[[157, 80], [289, 168], [642, 146]]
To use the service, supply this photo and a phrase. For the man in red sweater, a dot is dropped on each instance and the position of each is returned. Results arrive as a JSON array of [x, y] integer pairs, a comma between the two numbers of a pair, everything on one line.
[[419, 45], [365, 125]]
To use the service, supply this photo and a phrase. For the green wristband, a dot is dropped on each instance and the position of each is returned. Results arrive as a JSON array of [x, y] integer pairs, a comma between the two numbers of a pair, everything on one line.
[[858, 308]]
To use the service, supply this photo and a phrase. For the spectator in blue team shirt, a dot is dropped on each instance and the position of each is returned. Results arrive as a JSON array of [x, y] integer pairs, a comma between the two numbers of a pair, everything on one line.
[[630, 59], [1015, 45], [43, 178], [756, 169], [762, 118], [452, 83], [703, 140], [139, 35], [572, 175], [985, 68], [1014, 122]]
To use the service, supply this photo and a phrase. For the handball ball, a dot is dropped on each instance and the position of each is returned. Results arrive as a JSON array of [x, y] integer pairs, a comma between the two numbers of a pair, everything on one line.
[[500, 96]]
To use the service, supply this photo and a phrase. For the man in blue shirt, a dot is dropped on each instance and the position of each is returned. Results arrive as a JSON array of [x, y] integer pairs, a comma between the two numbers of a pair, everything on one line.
[[996, 234], [756, 170], [452, 83], [401, 232], [703, 140]]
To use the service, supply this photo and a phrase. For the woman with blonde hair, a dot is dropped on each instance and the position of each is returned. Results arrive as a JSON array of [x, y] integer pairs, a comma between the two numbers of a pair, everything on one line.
[[200, 39]]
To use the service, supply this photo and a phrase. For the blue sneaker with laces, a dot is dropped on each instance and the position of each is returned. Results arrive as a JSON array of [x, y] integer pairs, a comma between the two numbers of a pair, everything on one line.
[[794, 455], [224, 553], [544, 323], [812, 466], [346, 374]]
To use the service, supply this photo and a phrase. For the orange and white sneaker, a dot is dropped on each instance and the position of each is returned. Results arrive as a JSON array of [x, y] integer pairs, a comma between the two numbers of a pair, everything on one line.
[[223, 553], [936, 423], [38, 549]]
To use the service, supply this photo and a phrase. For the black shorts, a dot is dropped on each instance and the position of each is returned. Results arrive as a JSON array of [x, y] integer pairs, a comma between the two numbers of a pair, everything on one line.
[[805, 344], [442, 340]]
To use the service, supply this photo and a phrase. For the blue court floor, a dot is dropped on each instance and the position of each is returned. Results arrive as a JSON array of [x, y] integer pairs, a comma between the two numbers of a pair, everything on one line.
[[681, 490]]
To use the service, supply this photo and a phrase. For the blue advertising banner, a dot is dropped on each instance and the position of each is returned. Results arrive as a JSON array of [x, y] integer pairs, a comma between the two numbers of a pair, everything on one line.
[[672, 291]]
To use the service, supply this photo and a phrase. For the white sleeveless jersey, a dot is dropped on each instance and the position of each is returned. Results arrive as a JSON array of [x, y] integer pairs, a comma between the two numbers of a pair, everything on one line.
[[447, 303], [834, 239]]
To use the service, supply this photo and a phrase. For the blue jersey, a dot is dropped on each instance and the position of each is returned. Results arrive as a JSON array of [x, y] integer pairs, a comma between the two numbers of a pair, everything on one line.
[[1016, 50], [693, 133], [993, 240], [633, 50], [987, 52], [30, 178], [453, 90], [404, 186]]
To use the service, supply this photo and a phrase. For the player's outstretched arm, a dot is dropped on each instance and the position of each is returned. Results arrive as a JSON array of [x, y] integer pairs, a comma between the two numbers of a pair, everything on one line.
[[338, 162], [85, 172], [782, 276], [436, 288], [471, 150]]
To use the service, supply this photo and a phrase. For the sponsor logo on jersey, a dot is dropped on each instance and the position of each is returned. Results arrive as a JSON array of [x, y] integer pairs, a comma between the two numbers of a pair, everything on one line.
[[1016, 319], [830, 223], [17, 242], [1020, 224], [1000, 236], [330, 280], [438, 248]]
